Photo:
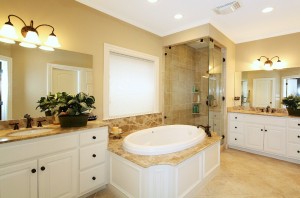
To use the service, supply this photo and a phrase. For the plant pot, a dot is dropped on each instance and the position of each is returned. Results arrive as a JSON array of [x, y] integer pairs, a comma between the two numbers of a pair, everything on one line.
[[73, 120], [48, 113], [293, 112]]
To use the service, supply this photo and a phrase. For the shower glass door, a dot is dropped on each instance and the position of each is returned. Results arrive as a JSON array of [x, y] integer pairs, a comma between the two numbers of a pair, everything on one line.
[[215, 100], [193, 84]]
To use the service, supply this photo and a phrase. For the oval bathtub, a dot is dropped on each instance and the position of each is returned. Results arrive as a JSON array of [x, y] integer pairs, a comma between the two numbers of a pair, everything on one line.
[[163, 139]]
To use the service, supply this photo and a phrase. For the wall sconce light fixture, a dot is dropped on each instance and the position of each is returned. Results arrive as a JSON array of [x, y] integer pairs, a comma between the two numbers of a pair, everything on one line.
[[269, 63], [31, 38]]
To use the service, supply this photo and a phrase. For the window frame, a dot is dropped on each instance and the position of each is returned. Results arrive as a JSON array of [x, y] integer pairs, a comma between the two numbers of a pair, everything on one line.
[[108, 49]]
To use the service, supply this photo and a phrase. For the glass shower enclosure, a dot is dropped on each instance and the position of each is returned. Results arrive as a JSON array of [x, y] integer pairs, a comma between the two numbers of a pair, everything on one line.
[[193, 84]]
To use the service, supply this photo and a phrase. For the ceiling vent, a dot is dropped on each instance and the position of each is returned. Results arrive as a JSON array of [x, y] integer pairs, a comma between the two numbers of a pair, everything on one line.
[[227, 8]]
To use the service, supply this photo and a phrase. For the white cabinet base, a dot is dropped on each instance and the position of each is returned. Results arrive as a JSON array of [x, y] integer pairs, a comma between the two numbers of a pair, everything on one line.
[[164, 181], [265, 154]]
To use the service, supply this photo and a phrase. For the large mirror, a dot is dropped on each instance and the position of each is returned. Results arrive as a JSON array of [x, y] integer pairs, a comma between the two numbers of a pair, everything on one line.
[[25, 76], [266, 88]]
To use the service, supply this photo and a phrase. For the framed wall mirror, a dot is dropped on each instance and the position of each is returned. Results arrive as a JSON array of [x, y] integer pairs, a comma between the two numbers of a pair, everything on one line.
[[28, 76], [266, 88]]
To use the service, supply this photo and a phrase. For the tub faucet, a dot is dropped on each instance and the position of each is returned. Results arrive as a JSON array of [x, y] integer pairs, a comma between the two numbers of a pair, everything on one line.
[[28, 120], [206, 129]]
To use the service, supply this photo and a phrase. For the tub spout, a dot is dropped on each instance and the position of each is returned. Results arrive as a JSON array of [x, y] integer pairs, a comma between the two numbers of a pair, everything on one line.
[[206, 129]]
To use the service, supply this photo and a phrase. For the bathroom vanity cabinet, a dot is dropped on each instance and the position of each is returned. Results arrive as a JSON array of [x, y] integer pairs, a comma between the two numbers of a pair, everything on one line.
[[65, 165], [266, 135]]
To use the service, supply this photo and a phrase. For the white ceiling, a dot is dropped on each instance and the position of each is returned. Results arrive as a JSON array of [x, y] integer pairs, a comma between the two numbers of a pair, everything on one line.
[[246, 24]]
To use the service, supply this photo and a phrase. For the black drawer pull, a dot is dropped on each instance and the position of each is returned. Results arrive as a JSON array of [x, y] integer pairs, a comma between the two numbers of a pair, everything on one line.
[[298, 151], [298, 136], [298, 124], [94, 155], [94, 178], [33, 170], [43, 168], [261, 130], [235, 139], [235, 127], [266, 130], [235, 117], [94, 137]]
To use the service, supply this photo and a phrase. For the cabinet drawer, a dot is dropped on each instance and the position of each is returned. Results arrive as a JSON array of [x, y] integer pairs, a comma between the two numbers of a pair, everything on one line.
[[293, 136], [235, 116], [294, 123], [26, 149], [92, 155], [293, 150], [92, 178], [236, 139], [93, 136], [236, 127]]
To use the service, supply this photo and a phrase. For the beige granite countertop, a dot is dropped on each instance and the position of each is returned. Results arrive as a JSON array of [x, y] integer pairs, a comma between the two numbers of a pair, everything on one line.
[[281, 114], [6, 138], [173, 159]]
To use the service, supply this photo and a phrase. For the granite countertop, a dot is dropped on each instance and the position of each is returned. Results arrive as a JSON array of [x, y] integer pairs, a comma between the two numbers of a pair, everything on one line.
[[278, 114], [173, 159], [56, 129]]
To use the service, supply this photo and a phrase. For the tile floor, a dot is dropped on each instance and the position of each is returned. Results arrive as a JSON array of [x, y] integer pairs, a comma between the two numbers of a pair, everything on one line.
[[244, 175]]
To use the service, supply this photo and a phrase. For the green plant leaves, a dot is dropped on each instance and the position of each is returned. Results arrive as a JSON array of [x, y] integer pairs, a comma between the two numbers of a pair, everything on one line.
[[67, 103]]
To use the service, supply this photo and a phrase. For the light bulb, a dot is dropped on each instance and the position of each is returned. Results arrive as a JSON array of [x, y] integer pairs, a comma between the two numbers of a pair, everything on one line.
[[8, 31], [32, 37], [28, 45], [52, 41], [46, 48]]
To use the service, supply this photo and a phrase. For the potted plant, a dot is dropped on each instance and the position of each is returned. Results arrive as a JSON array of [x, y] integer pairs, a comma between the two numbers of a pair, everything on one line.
[[292, 104], [72, 110], [46, 104]]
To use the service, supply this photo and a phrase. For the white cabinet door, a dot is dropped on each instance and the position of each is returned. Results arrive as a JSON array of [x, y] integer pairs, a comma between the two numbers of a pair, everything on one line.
[[58, 175], [19, 180], [254, 136], [275, 140]]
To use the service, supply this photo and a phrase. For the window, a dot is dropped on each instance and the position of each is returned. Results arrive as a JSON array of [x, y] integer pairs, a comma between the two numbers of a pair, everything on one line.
[[131, 83]]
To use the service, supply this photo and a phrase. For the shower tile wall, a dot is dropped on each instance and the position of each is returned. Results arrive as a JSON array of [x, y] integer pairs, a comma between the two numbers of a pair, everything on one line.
[[183, 69]]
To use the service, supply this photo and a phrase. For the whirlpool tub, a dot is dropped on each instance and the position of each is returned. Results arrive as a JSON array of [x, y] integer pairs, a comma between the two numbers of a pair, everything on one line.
[[163, 139]]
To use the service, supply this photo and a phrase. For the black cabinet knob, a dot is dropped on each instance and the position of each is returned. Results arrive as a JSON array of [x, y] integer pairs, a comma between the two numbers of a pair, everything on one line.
[[235, 127], [298, 136], [94, 178], [94, 137], [261, 130], [235, 117], [235, 139], [43, 168], [94, 155], [298, 124], [33, 170], [266, 130], [298, 151]]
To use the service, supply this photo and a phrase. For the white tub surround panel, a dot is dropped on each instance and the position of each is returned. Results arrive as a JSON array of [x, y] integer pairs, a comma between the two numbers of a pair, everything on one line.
[[164, 181], [271, 136], [62, 165]]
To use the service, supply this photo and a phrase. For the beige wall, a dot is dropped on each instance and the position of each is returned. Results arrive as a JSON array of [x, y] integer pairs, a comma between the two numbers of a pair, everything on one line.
[[221, 39], [83, 29], [286, 47]]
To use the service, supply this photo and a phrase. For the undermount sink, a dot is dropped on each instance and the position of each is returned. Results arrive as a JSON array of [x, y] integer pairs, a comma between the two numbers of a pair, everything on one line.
[[30, 132]]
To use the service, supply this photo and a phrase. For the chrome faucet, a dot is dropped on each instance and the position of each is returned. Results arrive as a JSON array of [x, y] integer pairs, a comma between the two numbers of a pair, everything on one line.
[[28, 120]]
